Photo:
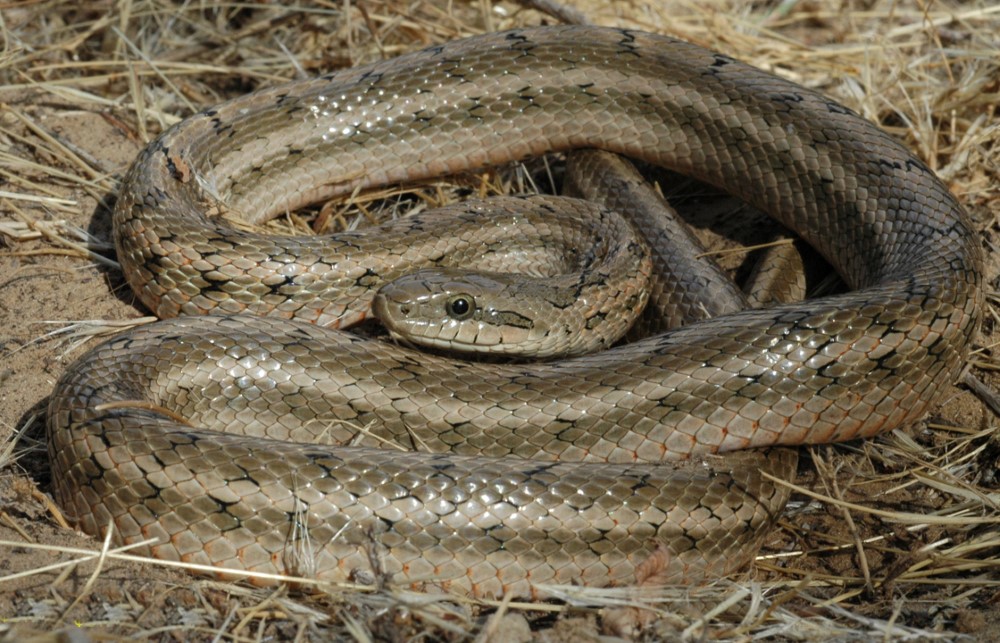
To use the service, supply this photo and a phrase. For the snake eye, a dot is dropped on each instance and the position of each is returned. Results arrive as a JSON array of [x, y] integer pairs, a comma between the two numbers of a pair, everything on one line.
[[459, 307]]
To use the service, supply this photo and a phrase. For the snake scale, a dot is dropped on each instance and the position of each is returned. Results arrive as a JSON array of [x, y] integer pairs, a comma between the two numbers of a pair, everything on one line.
[[517, 475]]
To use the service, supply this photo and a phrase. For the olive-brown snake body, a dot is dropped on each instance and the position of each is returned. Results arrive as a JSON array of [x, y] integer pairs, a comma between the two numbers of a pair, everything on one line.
[[842, 367]]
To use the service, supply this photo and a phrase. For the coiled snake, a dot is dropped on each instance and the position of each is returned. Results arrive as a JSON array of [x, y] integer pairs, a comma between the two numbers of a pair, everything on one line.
[[456, 512]]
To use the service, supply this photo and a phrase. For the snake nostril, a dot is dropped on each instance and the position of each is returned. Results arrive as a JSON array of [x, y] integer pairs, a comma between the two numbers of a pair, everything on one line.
[[404, 310]]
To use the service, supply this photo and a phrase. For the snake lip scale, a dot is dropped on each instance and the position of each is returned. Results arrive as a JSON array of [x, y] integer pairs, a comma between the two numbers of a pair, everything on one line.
[[504, 490]]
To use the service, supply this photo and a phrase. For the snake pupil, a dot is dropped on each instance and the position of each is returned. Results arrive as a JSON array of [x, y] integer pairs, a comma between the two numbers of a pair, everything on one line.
[[459, 307]]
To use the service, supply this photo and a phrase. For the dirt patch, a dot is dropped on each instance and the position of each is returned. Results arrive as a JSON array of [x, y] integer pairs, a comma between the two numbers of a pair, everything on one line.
[[84, 87]]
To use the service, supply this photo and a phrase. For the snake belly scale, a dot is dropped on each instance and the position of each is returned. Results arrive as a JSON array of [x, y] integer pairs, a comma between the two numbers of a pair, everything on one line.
[[463, 513]]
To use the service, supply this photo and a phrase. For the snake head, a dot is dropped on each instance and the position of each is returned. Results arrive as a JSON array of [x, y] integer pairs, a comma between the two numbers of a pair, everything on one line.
[[476, 313]]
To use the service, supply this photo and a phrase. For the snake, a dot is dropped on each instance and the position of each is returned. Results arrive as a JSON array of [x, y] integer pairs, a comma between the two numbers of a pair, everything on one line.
[[245, 432], [580, 278]]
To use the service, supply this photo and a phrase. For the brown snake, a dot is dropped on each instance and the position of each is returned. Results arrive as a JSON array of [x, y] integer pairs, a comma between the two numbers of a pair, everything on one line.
[[463, 516]]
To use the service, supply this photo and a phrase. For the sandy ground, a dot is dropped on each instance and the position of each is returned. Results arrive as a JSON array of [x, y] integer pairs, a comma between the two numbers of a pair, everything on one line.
[[865, 574]]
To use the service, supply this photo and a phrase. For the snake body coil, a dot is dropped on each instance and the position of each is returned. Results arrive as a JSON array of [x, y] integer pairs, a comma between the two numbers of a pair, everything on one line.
[[464, 516]]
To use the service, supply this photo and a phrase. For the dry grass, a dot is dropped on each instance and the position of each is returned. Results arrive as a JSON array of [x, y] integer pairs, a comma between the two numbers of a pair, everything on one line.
[[898, 538]]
